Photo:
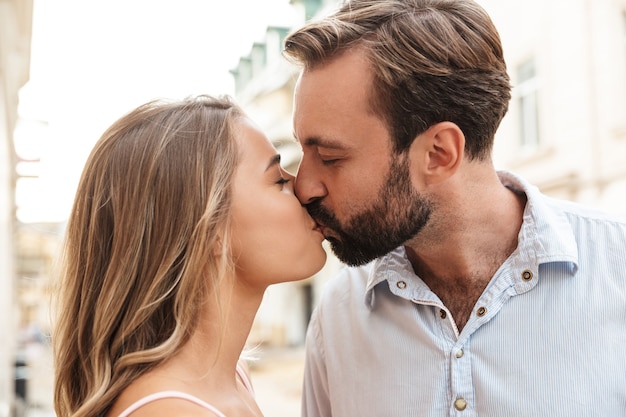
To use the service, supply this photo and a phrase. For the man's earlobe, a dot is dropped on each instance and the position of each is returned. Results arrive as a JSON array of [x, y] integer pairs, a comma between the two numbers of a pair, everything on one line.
[[445, 152], [437, 153]]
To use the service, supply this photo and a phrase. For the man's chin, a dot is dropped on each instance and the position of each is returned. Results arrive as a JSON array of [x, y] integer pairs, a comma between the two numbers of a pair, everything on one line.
[[348, 257]]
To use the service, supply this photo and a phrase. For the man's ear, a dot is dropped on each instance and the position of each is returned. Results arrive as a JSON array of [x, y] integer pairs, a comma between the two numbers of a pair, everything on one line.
[[441, 149]]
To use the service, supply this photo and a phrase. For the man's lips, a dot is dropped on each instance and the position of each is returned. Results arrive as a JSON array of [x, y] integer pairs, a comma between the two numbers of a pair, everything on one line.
[[325, 230]]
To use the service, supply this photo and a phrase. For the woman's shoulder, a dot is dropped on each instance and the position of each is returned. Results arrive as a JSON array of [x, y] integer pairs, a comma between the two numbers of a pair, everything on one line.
[[157, 394], [151, 395], [169, 403]]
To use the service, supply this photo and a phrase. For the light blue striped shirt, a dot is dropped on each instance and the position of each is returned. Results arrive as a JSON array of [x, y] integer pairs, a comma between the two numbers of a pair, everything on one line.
[[547, 336]]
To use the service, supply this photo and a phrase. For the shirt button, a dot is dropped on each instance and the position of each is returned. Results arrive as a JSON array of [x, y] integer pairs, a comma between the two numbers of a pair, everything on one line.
[[460, 404], [459, 353], [442, 313], [401, 285], [527, 275], [481, 311]]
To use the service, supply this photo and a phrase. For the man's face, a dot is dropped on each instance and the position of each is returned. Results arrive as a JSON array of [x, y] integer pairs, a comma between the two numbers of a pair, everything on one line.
[[349, 179]]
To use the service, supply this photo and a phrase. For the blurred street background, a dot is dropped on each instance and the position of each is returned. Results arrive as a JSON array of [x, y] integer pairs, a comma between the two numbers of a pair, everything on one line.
[[69, 68]]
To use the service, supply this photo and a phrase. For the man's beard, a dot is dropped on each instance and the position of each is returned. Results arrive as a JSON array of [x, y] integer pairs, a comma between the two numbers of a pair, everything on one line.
[[396, 216]]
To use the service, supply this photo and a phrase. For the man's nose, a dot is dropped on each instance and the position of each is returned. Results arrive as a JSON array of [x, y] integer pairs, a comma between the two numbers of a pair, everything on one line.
[[308, 186]]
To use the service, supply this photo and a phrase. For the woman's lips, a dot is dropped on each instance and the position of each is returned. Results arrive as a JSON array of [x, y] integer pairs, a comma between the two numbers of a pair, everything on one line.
[[326, 231], [320, 228]]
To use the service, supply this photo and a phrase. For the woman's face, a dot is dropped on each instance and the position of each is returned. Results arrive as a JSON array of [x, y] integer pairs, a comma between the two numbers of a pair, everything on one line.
[[273, 237]]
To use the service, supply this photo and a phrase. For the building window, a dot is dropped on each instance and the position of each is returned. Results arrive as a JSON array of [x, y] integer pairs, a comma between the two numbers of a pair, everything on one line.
[[528, 107], [624, 30], [624, 43]]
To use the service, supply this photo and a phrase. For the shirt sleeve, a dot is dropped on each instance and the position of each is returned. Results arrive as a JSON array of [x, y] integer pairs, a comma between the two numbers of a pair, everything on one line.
[[315, 398]]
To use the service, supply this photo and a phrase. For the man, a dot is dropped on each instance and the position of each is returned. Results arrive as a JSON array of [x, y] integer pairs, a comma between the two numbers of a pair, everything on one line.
[[468, 292]]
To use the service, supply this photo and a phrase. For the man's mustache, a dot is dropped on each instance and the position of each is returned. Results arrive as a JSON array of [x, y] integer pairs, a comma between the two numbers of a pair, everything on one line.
[[322, 215]]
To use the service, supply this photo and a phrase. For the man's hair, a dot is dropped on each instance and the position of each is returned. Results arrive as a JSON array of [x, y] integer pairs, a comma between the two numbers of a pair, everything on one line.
[[432, 61]]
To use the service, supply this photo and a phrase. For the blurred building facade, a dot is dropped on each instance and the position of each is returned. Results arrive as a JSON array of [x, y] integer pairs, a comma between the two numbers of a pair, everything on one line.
[[566, 126], [565, 130], [15, 44]]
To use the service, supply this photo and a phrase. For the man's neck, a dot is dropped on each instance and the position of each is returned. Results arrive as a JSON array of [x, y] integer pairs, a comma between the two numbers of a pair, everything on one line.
[[459, 253]]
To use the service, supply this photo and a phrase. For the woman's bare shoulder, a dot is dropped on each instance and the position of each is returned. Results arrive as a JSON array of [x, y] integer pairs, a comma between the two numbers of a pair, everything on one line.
[[172, 406]]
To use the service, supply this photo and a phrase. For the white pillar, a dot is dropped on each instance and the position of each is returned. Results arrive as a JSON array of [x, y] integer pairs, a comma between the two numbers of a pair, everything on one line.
[[7, 263]]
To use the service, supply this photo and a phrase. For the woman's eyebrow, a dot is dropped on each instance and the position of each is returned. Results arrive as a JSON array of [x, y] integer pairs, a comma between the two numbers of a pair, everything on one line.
[[275, 160]]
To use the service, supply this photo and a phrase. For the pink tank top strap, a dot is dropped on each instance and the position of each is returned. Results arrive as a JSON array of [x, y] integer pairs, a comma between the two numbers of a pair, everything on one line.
[[169, 394], [244, 378]]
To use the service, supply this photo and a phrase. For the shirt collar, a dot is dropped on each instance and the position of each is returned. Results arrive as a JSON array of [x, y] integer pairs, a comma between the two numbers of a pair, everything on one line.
[[546, 232], [545, 236]]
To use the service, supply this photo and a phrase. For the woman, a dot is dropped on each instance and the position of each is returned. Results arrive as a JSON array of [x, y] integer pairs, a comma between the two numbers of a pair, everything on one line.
[[182, 218]]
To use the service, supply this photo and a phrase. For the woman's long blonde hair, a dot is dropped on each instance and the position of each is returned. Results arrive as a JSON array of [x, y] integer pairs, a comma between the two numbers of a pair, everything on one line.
[[139, 256]]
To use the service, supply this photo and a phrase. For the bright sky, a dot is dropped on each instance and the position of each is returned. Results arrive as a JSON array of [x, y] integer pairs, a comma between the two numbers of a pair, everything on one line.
[[92, 61]]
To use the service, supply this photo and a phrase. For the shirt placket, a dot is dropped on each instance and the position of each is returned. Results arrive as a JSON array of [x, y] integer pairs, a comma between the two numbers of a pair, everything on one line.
[[460, 355], [461, 383]]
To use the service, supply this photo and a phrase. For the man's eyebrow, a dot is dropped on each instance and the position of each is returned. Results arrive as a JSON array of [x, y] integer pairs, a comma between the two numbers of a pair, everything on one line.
[[323, 143], [275, 160]]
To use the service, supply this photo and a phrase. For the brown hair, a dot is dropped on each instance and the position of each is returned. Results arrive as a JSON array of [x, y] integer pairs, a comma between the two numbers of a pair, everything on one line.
[[139, 258], [432, 60]]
